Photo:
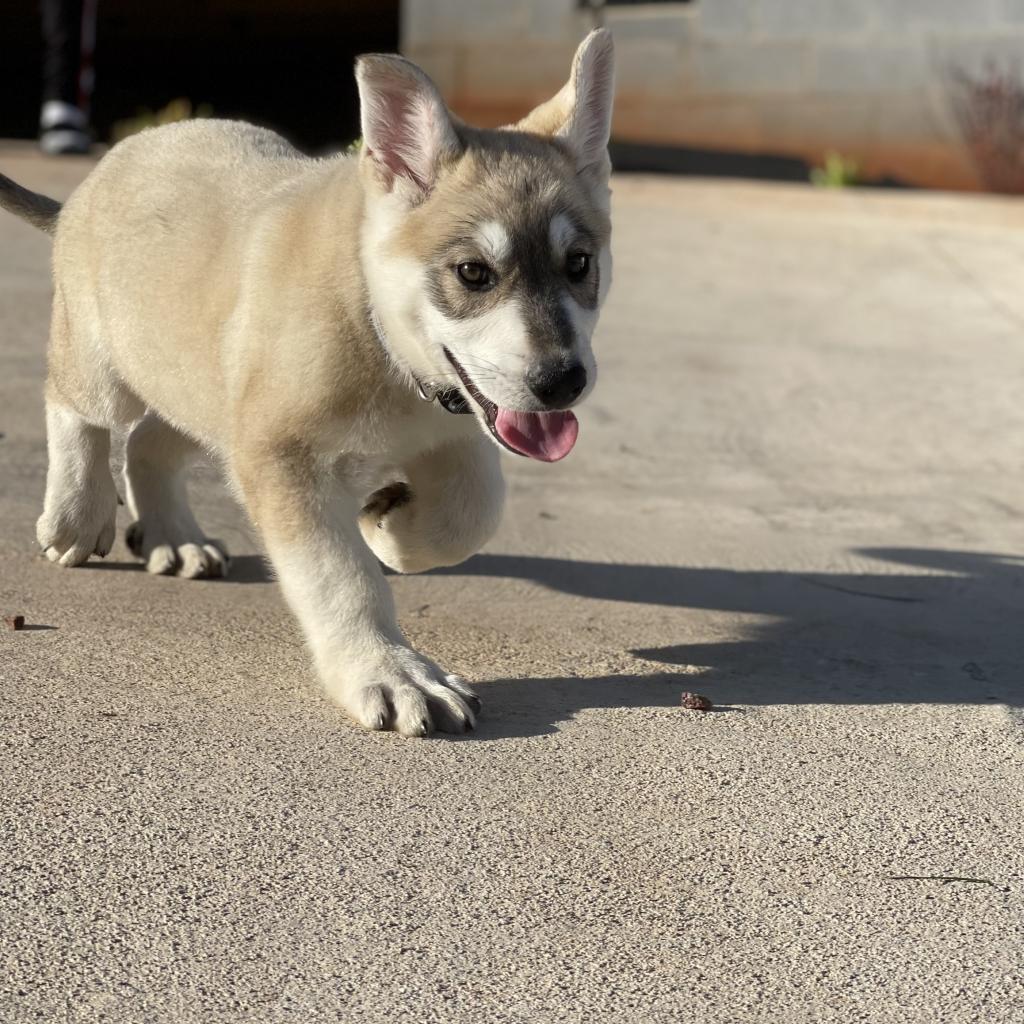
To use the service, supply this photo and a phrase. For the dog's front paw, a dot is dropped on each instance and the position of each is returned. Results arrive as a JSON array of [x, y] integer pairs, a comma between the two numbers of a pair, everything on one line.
[[401, 690], [75, 525]]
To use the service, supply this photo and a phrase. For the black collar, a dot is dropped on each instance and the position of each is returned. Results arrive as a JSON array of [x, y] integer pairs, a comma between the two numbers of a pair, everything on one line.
[[450, 399]]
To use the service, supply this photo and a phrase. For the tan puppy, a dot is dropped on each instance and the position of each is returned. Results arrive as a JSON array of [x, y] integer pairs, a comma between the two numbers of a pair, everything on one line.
[[317, 326]]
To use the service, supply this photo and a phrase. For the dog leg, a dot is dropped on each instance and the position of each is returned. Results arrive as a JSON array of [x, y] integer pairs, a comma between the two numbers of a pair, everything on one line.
[[449, 509], [165, 534], [307, 513], [80, 508]]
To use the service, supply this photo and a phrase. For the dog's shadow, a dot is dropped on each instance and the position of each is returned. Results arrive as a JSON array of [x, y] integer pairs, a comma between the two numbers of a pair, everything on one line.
[[518, 708], [936, 627], [244, 569], [950, 634]]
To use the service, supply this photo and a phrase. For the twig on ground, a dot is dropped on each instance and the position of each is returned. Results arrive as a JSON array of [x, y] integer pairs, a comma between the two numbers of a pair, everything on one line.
[[946, 879], [861, 593]]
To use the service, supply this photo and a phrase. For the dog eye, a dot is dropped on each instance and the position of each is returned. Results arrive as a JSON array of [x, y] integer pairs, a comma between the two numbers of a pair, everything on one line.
[[577, 265], [475, 276]]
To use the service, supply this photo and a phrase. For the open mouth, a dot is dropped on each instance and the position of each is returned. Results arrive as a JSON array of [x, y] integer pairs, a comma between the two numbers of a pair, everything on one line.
[[545, 436]]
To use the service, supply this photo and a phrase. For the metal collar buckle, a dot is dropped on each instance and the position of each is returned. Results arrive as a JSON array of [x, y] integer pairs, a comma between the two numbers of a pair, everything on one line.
[[450, 399]]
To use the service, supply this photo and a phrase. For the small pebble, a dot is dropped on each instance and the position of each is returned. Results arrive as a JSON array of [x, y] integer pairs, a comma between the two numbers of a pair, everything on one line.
[[696, 701], [14, 621]]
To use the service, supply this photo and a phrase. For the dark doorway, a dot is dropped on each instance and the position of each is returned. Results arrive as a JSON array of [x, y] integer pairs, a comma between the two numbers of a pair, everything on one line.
[[286, 64]]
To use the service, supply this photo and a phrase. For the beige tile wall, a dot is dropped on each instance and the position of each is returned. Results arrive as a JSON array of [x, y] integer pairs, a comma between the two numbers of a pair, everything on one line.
[[788, 77]]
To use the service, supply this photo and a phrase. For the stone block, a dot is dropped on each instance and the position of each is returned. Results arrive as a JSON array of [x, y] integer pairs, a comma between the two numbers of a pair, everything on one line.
[[978, 52], [639, 23], [1011, 11], [516, 69], [903, 15], [652, 65], [440, 62], [806, 123], [461, 21], [687, 121], [725, 17], [727, 67], [813, 17], [559, 19], [869, 66], [913, 118]]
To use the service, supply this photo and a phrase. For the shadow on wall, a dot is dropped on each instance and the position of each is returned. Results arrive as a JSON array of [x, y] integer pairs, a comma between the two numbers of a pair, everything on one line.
[[846, 639]]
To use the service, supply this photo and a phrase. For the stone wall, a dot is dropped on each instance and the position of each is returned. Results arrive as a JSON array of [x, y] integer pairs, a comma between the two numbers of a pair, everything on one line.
[[868, 78]]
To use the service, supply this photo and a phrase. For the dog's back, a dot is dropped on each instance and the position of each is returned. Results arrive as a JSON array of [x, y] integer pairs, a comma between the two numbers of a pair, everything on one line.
[[165, 230]]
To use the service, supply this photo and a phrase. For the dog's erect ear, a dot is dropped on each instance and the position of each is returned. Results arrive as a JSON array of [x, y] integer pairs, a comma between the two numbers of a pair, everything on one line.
[[407, 130], [581, 113]]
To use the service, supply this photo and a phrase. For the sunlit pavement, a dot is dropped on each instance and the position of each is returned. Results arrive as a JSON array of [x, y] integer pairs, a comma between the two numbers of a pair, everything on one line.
[[798, 489]]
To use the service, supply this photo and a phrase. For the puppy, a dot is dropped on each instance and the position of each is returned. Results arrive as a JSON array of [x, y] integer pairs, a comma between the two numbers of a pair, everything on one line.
[[355, 340]]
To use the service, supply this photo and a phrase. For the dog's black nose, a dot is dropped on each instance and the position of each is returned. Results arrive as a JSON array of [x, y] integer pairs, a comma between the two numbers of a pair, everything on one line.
[[558, 386]]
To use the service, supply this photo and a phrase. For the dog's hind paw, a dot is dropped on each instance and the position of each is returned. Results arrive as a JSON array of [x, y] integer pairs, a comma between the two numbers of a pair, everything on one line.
[[197, 558]]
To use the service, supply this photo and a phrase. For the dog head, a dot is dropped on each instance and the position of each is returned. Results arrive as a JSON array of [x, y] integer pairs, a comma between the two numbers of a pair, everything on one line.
[[486, 253]]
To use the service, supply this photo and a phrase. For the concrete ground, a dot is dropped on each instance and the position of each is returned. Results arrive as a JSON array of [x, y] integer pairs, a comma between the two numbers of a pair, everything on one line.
[[799, 489]]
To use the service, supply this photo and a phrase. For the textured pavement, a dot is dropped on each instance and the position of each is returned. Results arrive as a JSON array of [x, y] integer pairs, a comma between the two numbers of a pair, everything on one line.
[[799, 489]]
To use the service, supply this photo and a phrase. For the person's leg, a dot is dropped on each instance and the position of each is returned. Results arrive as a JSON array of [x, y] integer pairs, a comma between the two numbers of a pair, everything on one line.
[[69, 28]]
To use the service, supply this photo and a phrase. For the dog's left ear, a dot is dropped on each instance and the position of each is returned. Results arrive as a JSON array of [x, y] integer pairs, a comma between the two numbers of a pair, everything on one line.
[[408, 132], [581, 113]]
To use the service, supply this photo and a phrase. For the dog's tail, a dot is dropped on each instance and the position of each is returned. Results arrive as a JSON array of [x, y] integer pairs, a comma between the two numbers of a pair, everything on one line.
[[37, 209]]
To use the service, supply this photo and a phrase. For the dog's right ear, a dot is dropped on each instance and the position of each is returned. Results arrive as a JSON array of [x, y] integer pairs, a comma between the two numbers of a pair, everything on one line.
[[408, 132], [581, 113]]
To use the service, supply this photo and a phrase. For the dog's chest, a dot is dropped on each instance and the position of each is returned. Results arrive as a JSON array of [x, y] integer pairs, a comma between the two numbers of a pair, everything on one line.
[[395, 433]]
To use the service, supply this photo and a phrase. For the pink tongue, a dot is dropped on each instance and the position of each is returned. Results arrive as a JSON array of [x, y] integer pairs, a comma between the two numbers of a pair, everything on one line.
[[548, 436]]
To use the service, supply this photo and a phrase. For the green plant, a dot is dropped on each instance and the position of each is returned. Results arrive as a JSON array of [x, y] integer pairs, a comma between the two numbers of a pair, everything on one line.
[[177, 110], [839, 171]]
